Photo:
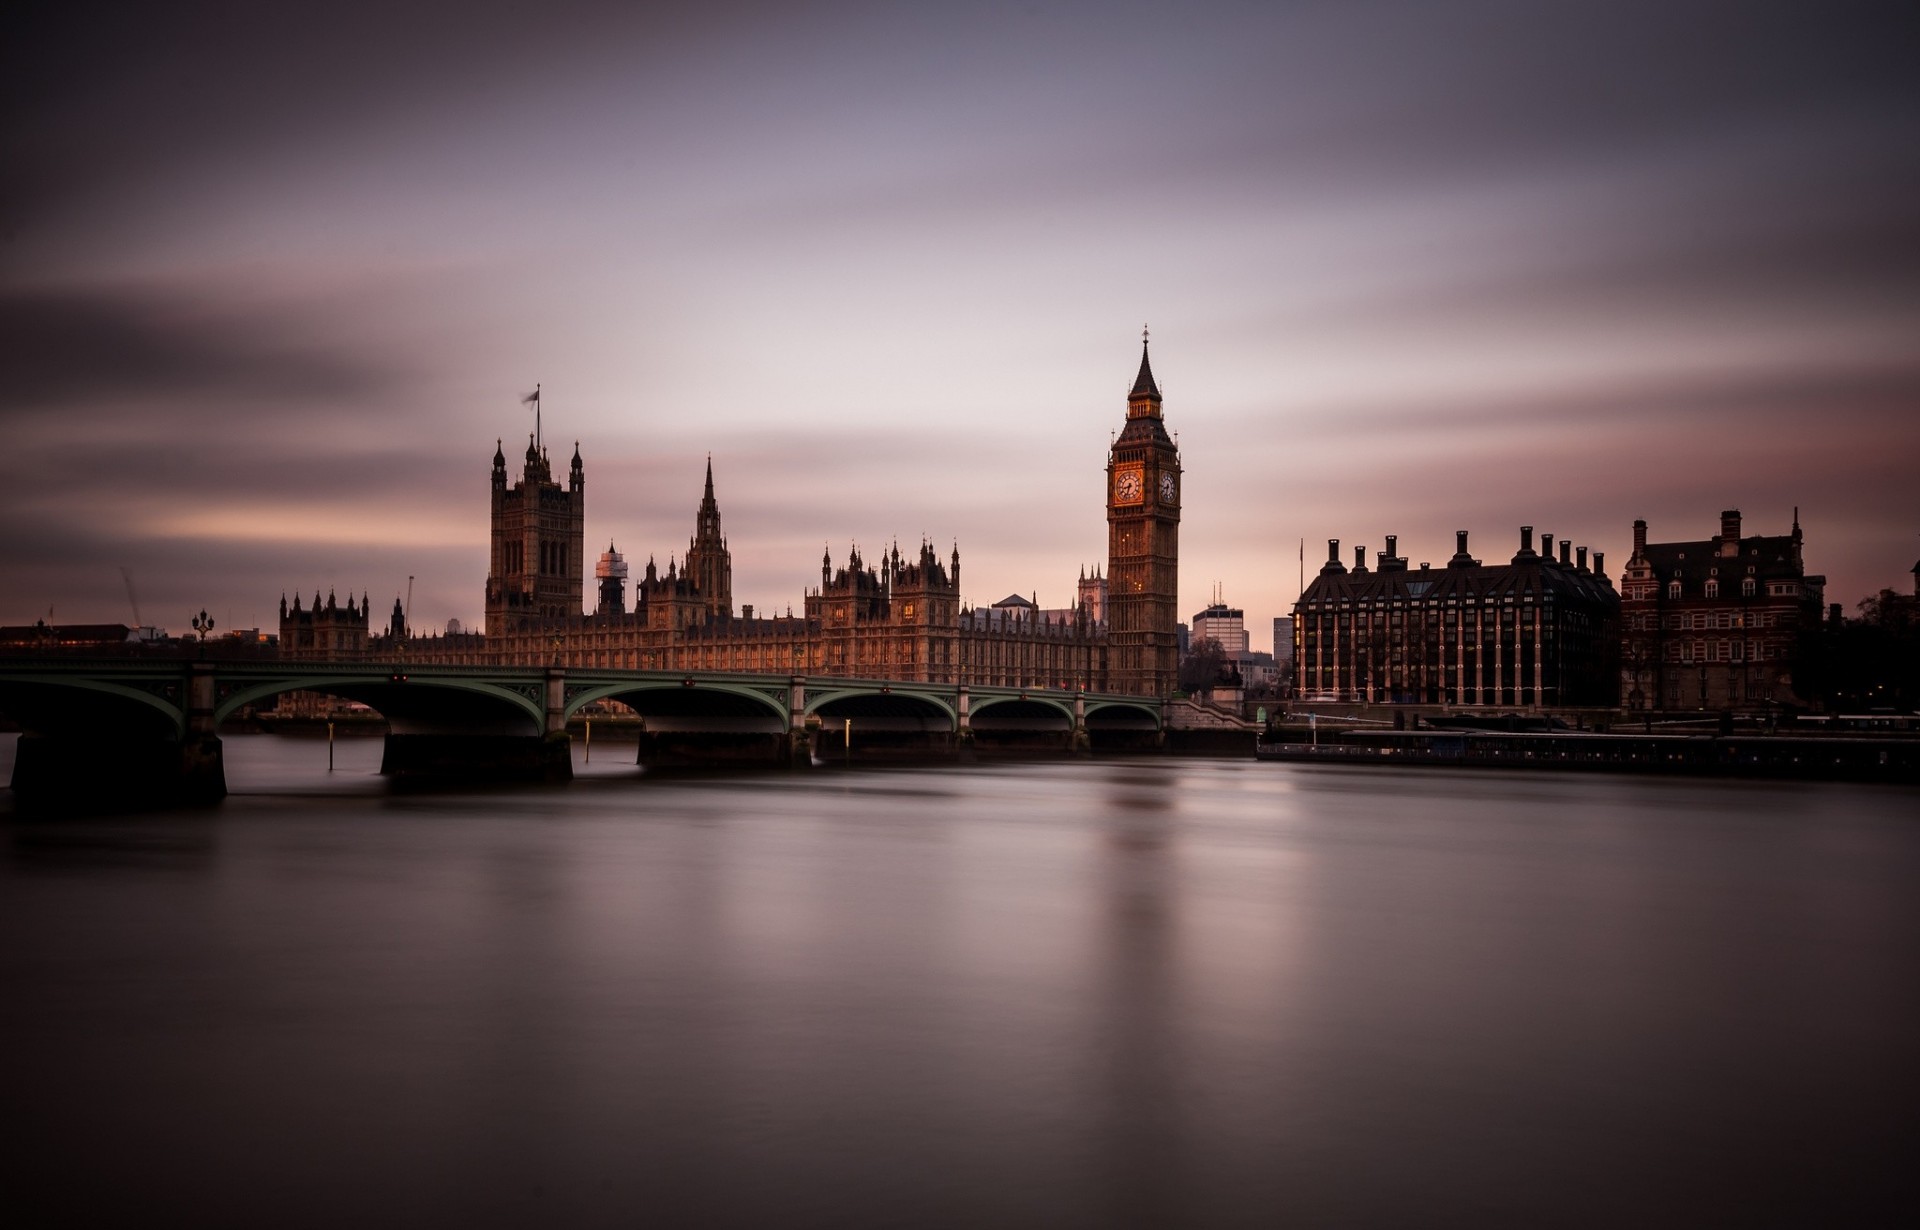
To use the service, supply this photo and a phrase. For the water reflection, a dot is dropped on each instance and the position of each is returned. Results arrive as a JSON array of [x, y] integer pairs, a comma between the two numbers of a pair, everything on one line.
[[1063, 993]]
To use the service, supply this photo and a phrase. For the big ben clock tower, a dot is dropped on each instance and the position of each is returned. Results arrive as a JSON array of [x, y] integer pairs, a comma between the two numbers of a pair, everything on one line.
[[1143, 547]]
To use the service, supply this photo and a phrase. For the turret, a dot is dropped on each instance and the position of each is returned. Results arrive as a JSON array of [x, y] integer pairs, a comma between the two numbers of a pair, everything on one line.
[[612, 574]]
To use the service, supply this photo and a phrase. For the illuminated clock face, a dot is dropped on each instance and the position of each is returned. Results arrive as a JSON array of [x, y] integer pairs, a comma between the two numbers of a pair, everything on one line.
[[1167, 486], [1126, 487]]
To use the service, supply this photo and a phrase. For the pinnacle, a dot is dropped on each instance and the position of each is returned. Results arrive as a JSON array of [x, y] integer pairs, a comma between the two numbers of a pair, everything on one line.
[[1143, 384]]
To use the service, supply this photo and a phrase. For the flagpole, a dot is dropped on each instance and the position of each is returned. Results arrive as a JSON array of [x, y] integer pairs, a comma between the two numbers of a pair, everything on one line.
[[539, 445]]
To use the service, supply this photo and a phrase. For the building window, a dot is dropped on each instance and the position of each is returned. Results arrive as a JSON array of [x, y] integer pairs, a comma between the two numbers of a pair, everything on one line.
[[1746, 588], [1673, 590], [1713, 589]]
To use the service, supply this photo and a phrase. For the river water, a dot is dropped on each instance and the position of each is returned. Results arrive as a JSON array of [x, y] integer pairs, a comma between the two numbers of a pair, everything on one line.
[[1055, 993]]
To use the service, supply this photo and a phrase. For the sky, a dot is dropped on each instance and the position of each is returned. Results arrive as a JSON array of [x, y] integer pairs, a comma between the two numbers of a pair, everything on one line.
[[274, 278]]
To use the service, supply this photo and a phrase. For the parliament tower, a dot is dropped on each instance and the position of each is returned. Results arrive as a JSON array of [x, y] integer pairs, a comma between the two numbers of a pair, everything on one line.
[[1143, 547], [536, 565], [709, 564]]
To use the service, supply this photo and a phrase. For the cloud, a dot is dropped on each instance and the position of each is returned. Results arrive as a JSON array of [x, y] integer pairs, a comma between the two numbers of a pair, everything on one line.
[[74, 346]]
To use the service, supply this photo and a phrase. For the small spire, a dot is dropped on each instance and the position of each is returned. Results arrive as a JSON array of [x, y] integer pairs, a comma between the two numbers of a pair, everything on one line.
[[1143, 384], [709, 476]]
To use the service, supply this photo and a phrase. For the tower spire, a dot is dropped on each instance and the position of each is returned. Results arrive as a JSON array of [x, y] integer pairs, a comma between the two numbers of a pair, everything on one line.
[[1143, 384]]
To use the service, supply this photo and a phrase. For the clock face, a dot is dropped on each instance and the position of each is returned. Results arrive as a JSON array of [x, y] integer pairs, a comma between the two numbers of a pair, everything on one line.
[[1126, 487], [1167, 488]]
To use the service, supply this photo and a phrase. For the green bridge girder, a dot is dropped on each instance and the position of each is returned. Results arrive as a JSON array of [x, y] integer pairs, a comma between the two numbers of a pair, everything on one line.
[[163, 689]]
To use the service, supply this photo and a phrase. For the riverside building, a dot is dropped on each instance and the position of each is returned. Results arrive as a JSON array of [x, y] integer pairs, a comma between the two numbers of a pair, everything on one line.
[[1715, 623], [1536, 632]]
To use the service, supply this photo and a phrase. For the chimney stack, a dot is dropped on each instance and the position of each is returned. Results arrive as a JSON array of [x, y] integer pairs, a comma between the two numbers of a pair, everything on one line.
[[1393, 546], [1566, 549], [1333, 550], [1546, 547], [1526, 540], [1639, 538], [1580, 559], [1359, 558], [1600, 564], [1460, 541], [1730, 525]]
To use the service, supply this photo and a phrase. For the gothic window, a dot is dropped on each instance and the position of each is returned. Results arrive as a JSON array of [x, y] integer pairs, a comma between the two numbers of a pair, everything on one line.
[[1673, 589], [1713, 589], [1746, 588]]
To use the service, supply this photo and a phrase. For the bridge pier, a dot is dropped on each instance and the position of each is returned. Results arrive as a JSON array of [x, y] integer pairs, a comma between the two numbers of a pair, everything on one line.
[[799, 749], [52, 773], [963, 712], [485, 754], [84, 767], [529, 758]]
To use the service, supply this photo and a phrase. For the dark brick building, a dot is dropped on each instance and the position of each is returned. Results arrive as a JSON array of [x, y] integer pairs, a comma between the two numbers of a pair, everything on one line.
[[1715, 623], [1535, 632]]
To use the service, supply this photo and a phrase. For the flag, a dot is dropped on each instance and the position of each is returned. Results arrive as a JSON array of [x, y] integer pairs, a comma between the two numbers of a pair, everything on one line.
[[531, 399]]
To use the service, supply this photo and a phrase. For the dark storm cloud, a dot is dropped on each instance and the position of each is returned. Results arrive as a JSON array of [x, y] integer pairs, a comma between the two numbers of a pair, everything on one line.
[[75, 570], [81, 346], [240, 469]]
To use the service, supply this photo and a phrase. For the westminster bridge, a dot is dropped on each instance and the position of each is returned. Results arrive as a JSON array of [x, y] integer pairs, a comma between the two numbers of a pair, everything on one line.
[[148, 731]]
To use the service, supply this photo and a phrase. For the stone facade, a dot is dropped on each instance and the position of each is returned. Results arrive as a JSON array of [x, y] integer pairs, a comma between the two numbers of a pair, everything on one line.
[[536, 569], [900, 617], [1143, 546]]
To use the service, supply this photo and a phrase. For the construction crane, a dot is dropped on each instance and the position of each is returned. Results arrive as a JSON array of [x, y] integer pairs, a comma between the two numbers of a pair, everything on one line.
[[126, 574]]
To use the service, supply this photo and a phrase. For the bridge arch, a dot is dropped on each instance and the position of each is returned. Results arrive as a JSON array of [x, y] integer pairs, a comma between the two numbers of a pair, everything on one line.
[[1025, 712], [673, 703], [73, 705], [414, 706], [885, 708], [1122, 715]]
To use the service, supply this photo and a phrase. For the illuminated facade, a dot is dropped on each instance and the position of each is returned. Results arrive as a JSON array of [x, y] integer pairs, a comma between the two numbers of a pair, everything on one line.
[[1143, 546], [898, 617]]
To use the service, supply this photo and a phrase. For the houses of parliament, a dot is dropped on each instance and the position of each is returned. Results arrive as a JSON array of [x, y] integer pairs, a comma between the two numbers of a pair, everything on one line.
[[897, 617]]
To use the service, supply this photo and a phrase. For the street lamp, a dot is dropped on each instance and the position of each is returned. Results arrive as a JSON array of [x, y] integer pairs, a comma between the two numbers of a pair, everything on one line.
[[203, 624]]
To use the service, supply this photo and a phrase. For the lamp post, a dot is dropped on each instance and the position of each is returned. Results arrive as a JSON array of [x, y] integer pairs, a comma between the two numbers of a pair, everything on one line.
[[203, 624]]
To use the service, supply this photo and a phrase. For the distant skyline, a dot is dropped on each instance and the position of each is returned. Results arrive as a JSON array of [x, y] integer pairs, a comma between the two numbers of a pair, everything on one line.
[[274, 281]]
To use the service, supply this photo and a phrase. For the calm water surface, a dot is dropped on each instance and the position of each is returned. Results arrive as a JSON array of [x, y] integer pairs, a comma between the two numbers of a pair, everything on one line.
[[1089, 993]]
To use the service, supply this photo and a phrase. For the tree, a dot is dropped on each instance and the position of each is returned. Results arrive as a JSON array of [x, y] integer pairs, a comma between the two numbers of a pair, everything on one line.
[[1201, 668]]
